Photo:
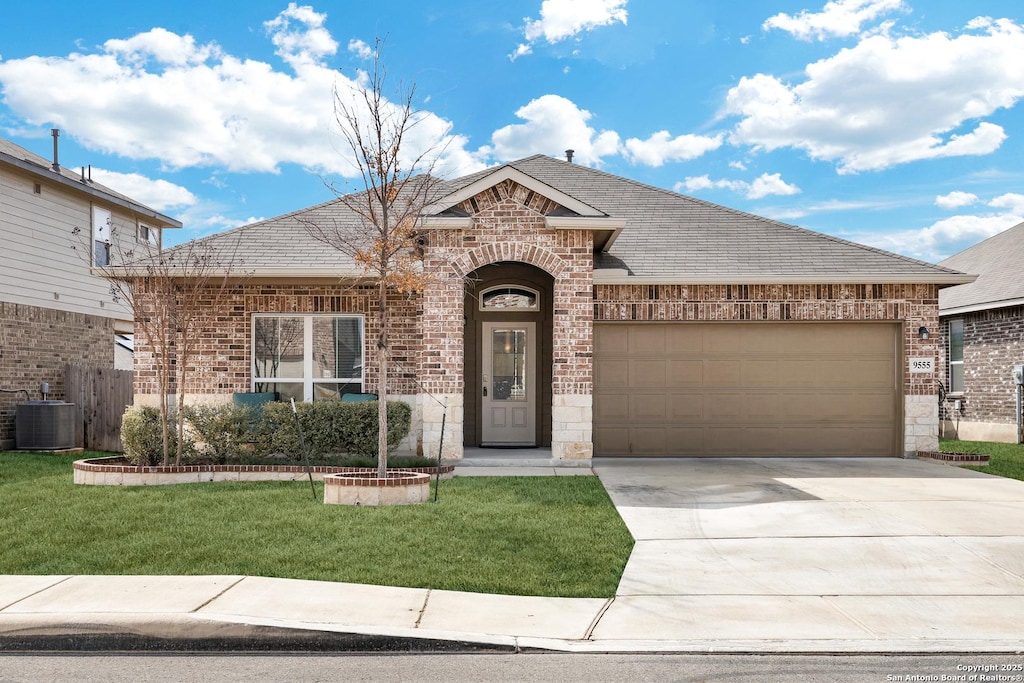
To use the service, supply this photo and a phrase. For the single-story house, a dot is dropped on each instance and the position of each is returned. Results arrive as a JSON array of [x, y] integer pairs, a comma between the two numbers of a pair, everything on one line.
[[592, 315], [982, 325]]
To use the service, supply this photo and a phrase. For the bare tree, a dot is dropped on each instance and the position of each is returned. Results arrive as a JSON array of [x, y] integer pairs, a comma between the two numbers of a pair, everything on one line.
[[383, 238], [173, 296]]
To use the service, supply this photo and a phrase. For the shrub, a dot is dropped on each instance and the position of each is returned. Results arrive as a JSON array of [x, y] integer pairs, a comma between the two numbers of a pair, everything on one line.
[[329, 427], [142, 436], [224, 430]]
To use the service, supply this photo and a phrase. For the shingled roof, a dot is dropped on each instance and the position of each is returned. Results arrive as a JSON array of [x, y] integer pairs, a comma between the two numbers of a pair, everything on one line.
[[997, 261], [668, 237]]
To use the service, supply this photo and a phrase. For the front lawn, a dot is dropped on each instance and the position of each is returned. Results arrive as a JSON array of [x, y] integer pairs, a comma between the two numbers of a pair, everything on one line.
[[554, 536], [1007, 459]]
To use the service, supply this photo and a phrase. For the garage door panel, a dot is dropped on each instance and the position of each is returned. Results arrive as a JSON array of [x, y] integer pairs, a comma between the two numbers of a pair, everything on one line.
[[648, 407], [684, 339], [648, 340], [687, 406], [613, 373], [613, 440], [611, 408], [721, 341], [649, 440], [721, 406], [762, 406], [723, 373], [760, 373], [686, 373], [613, 341], [747, 389], [878, 372], [649, 373]]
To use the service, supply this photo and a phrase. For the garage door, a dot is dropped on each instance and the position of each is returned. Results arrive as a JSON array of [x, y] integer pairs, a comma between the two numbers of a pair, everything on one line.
[[746, 389]]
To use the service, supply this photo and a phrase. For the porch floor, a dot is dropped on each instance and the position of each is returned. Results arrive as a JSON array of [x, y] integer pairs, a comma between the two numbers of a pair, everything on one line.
[[515, 457]]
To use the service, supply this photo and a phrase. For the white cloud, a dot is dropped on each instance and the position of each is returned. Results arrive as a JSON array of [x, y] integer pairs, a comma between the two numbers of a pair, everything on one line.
[[763, 186], [839, 18], [553, 124], [561, 19], [360, 49], [661, 147], [954, 200], [943, 238], [738, 165], [773, 184], [156, 194], [162, 96], [1012, 201], [300, 36], [889, 101]]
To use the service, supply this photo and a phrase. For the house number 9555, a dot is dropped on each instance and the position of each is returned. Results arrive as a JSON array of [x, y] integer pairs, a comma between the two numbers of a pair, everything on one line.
[[922, 364]]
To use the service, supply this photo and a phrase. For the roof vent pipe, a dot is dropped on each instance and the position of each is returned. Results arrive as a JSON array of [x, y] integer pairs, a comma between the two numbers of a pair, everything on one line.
[[55, 132], [568, 155]]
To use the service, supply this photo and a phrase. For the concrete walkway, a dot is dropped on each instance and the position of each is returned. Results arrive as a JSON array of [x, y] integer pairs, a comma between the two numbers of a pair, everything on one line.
[[761, 555]]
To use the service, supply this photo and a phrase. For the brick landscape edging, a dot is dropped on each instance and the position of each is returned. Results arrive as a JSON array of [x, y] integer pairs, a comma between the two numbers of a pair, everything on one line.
[[95, 471], [960, 459]]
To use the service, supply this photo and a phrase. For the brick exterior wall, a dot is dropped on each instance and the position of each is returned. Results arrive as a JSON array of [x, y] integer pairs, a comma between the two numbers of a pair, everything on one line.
[[222, 357], [913, 305], [993, 344], [508, 225], [35, 345]]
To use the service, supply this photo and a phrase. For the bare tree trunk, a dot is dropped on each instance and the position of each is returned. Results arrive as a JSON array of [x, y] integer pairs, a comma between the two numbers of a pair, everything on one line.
[[382, 390]]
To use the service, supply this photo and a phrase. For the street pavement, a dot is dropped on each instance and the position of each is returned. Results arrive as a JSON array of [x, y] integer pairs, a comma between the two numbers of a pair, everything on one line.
[[796, 555]]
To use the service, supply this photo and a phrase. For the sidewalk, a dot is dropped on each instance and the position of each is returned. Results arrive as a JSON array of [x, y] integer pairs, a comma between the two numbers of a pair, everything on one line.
[[878, 556]]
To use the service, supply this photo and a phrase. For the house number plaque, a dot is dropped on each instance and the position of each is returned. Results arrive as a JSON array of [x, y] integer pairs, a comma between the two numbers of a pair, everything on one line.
[[922, 364]]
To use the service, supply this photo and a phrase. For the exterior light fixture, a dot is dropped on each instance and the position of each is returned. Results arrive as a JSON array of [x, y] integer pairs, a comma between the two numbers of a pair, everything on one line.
[[922, 332]]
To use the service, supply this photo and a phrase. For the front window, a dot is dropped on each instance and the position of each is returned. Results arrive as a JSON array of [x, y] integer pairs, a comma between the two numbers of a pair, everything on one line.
[[956, 356], [308, 357]]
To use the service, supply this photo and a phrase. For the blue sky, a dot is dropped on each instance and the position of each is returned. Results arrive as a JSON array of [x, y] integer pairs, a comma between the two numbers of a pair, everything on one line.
[[895, 123]]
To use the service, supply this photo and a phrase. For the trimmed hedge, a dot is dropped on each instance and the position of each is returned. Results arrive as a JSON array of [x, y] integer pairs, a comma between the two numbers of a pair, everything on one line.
[[233, 433]]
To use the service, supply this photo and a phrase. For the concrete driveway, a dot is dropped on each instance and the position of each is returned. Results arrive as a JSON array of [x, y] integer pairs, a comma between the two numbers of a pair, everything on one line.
[[817, 554]]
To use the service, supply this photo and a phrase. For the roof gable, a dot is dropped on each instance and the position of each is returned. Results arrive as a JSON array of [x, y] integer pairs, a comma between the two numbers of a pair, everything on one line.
[[509, 173], [997, 261]]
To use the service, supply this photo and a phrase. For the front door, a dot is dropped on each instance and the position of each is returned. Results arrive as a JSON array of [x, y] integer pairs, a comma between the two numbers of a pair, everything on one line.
[[508, 384]]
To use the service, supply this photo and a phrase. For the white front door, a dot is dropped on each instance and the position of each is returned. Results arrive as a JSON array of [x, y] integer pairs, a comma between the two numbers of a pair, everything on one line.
[[509, 391]]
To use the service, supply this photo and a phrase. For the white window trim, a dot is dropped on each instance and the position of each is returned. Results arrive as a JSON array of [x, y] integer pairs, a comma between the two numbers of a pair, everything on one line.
[[949, 354], [152, 235], [102, 229], [307, 380]]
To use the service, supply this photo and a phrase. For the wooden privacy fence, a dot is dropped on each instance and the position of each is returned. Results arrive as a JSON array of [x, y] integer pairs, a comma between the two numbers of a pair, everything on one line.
[[101, 395]]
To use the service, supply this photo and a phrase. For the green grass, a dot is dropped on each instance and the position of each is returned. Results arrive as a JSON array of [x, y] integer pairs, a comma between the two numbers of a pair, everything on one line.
[[554, 536], [1006, 459]]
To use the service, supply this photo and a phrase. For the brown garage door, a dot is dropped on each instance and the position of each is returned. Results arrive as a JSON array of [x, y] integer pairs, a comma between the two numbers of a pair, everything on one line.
[[738, 389]]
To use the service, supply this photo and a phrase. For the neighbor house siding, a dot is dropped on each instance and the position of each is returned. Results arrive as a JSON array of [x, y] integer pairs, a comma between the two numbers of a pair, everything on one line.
[[993, 344], [35, 346], [43, 262]]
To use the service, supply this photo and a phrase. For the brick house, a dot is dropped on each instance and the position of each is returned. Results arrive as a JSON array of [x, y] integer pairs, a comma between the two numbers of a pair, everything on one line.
[[54, 310], [591, 315], [982, 325]]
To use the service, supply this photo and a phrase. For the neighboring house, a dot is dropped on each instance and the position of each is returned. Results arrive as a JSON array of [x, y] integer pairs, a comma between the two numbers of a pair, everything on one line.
[[982, 326], [53, 310], [591, 315]]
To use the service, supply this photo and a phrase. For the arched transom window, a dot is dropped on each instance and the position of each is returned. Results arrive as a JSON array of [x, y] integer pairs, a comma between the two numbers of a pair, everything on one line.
[[509, 298]]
